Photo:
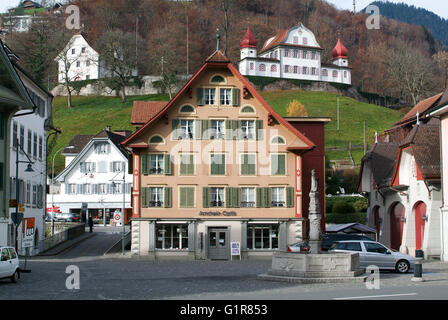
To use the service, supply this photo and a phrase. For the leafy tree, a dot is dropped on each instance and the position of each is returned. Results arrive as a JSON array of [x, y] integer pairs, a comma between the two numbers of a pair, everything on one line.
[[296, 109]]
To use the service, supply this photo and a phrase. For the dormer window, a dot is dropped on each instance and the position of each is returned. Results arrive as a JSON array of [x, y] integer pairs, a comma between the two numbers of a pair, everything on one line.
[[156, 140], [186, 109], [83, 50], [218, 79]]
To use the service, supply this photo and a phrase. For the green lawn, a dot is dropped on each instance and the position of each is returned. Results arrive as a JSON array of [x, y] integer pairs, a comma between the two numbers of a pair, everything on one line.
[[91, 114], [352, 113]]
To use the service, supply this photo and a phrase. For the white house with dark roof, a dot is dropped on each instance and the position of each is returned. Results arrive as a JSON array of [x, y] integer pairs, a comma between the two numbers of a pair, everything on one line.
[[293, 54], [80, 60], [94, 176]]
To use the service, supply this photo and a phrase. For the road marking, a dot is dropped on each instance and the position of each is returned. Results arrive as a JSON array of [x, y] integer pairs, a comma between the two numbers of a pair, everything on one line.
[[378, 296]]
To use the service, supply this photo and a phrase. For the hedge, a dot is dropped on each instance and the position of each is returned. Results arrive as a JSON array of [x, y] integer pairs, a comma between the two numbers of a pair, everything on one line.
[[337, 218], [329, 202]]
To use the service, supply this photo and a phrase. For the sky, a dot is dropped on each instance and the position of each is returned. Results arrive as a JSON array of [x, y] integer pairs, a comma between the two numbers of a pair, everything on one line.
[[439, 7]]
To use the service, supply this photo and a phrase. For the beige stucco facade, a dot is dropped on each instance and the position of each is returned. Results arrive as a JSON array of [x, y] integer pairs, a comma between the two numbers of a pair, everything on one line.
[[259, 230]]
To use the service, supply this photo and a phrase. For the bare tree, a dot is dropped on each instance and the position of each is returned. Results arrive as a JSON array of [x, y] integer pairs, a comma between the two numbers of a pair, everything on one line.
[[410, 73], [118, 57], [441, 58]]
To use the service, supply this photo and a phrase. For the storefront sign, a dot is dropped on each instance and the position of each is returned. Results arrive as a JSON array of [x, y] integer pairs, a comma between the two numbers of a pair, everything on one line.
[[217, 213]]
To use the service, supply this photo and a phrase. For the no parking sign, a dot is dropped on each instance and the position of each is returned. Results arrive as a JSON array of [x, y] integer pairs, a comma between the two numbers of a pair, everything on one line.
[[117, 217]]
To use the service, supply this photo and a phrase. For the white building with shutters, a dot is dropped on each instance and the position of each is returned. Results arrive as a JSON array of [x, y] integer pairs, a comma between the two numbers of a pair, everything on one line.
[[93, 176]]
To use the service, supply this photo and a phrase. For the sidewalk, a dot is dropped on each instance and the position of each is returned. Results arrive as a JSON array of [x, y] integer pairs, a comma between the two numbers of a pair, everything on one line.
[[67, 245]]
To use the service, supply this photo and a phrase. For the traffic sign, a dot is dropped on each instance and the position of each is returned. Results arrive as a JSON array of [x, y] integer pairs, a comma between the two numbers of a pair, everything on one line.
[[17, 217]]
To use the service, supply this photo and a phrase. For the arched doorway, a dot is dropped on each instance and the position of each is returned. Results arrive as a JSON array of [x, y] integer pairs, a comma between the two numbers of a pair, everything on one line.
[[397, 212], [376, 221], [420, 212]]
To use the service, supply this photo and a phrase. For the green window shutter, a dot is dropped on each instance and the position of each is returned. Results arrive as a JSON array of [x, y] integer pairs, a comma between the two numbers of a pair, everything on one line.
[[229, 198], [205, 127], [281, 164], [200, 96], [236, 194], [175, 129], [145, 163], [290, 197], [267, 197], [168, 197], [2, 126], [229, 130], [168, 166], [259, 129], [187, 195], [205, 197], [248, 166], [218, 164], [143, 197], [236, 126], [187, 164], [198, 129], [235, 96], [278, 164]]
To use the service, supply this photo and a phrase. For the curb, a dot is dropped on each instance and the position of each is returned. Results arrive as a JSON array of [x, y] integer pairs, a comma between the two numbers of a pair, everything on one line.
[[46, 254]]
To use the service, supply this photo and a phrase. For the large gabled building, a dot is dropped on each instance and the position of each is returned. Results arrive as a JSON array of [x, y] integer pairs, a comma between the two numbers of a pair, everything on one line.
[[217, 165], [401, 175], [293, 54]]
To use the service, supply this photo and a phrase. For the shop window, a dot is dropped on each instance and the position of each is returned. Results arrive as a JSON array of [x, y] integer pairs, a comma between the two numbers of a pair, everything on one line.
[[171, 236], [262, 236]]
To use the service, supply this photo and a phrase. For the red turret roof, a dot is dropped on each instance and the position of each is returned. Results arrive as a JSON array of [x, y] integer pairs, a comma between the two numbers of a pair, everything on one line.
[[248, 40], [339, 51]]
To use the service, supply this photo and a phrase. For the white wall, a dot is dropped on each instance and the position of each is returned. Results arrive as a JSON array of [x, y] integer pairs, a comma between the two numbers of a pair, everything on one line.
[[75, 176]]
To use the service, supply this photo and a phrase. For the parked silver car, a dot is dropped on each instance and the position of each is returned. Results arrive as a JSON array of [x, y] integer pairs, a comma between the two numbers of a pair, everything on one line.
[[374, 253]]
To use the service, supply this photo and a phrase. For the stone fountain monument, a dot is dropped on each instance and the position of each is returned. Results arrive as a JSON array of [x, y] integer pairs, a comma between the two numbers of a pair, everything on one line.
[[315, 266]]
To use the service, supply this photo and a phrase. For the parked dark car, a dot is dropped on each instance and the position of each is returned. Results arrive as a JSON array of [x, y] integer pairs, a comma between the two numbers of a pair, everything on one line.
[[329, 238]]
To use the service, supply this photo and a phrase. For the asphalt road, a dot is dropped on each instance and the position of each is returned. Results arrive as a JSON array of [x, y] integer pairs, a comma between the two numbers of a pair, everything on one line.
[[124, 278]]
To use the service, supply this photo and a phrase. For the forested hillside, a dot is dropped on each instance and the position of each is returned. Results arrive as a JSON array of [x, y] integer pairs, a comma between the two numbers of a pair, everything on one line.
[[176, 37], [413, 15]]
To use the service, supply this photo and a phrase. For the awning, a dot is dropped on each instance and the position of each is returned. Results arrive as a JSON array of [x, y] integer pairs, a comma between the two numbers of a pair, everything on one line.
[[349, 228]]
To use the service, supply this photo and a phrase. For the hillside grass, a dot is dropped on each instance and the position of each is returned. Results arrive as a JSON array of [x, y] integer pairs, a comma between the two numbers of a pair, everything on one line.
[[91, 114], [352, 113]]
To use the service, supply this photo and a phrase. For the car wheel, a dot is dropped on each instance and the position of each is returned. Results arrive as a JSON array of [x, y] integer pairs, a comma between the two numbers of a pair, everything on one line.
[[15, 277], [402, 266]]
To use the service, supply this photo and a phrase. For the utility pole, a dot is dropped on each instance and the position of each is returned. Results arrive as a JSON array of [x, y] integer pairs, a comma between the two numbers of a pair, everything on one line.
[[338, 114], [365, 145]]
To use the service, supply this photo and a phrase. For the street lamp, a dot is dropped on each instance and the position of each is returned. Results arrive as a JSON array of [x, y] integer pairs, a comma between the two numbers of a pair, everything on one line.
[[124, 205], [52, 183], [18, 217]]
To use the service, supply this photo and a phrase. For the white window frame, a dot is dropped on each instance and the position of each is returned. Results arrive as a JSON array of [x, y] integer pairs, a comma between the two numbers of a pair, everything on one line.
[[227, 98], [160, 163], [187, 137], [157, 195], [278, 198], [217, 196], [207, 91], [251, 135], [248, 200], [218, 135]]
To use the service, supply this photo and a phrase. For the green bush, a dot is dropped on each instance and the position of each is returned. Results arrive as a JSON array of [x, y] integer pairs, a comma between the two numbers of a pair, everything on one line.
[[361, 205], [337, 218], [342, 207]]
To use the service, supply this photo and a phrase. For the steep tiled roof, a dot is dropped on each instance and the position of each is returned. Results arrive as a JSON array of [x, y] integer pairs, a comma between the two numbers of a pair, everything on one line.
[[218, 56], [143, 111], [381, 158], [424, 141], [78, 142], [420, 107]]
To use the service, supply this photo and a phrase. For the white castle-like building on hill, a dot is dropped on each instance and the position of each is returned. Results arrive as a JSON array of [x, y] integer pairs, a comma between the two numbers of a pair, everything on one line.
[[293, 54]]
